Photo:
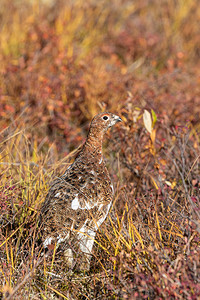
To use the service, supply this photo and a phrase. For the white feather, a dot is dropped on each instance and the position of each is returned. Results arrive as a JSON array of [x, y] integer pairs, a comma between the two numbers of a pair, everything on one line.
[[47, 241], [75, 203]]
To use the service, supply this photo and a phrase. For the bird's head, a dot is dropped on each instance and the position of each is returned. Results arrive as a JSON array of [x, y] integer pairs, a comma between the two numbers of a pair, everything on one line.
[[103, 121]]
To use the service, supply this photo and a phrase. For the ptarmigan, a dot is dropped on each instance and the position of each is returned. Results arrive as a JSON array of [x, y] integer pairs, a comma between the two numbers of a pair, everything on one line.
[[79, 200]]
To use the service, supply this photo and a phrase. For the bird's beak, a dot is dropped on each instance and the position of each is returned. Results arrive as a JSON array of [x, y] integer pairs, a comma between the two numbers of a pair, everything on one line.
[[118, 119]]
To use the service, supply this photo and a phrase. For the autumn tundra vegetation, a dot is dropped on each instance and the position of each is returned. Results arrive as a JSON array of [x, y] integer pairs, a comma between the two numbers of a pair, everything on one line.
[[61, 63]]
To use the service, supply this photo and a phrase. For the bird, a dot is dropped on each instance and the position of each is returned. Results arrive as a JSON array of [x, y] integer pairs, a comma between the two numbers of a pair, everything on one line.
[[79, 200]]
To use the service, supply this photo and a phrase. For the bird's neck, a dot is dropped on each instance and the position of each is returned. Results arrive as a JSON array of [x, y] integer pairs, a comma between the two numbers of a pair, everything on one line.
[[93, 143]]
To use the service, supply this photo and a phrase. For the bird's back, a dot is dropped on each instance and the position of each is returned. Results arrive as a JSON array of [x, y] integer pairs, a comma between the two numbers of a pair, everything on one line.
[[82, 193]]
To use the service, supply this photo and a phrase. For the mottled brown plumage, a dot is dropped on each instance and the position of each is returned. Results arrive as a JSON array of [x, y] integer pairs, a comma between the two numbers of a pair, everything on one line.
[[79, 200]]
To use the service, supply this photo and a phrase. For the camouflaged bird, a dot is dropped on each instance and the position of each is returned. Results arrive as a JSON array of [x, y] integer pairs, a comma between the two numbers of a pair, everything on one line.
[[79, 200]]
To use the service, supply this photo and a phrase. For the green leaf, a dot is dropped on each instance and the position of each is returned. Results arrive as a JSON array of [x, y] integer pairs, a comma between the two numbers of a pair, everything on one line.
[[154, 117]]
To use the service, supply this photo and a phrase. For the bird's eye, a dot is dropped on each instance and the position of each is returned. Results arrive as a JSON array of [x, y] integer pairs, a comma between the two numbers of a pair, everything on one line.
[[105, 118]]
